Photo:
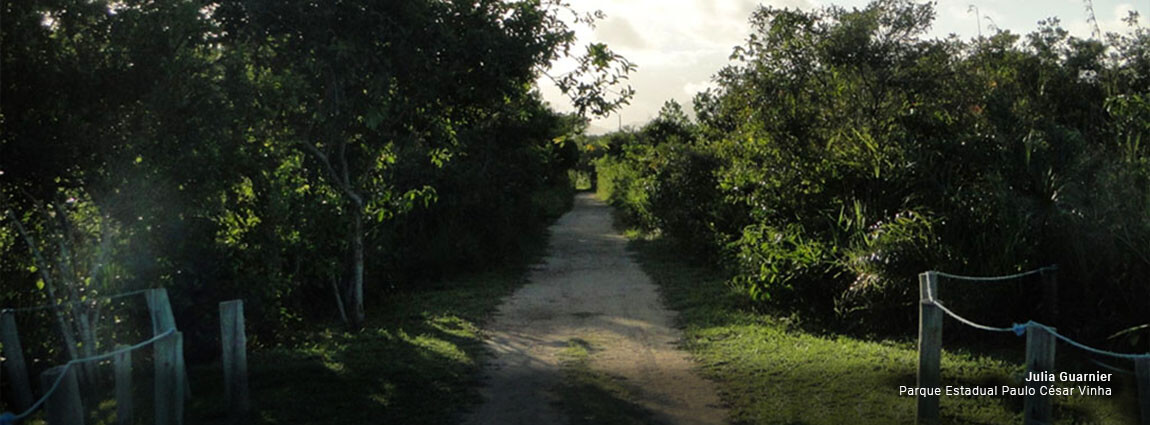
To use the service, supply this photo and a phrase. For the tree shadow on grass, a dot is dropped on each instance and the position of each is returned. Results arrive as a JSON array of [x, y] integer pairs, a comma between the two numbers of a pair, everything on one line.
[[414, 363], [378, 376], [590, 397]]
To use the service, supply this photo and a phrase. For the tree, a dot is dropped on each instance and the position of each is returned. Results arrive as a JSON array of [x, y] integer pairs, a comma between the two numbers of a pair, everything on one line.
[[360, 86]]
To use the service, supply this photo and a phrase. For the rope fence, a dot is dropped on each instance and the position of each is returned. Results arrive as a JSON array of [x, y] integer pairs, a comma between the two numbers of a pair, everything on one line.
[[62, 403], [1039, 355], [1018, 328], [9, 418]]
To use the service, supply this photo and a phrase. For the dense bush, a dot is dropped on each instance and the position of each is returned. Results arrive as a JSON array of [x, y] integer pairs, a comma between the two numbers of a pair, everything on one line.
[[842, 154]]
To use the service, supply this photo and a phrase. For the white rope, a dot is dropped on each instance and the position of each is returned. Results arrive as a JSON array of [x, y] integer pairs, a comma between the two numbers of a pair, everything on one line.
[[1087, 347], [94, 358], [995, 278], [1019, 329], [968, 322]]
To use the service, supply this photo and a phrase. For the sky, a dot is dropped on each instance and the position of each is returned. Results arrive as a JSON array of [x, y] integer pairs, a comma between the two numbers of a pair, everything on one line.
[[678, 45]]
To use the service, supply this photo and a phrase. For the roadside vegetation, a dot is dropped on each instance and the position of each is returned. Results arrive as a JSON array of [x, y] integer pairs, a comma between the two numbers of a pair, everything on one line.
[[841, 154], [774, 368]]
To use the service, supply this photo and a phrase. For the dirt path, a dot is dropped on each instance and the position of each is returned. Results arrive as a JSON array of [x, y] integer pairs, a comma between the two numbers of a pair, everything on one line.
[[589, 289]]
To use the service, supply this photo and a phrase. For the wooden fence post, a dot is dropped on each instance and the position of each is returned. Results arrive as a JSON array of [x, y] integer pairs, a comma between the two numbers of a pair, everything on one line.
[[14, 361], [124, 404], [160, 310], [181, 376], [63, 406], [233, 342], [169, 383], [1142, 374], [1037, 408], [1050, 294], [929, 348]]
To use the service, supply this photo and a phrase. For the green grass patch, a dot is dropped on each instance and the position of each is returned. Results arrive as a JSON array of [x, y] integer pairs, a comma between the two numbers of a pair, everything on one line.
[[590, 397], [772, 370]]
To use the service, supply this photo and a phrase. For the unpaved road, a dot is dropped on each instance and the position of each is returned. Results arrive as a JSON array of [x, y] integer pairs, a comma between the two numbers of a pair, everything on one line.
[[591, 290]]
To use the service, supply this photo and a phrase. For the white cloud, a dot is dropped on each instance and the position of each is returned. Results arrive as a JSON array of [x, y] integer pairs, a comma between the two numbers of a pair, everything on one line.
[[690, 89]]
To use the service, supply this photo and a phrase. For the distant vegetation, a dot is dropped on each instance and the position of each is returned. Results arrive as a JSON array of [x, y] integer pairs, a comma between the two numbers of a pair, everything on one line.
[[842, 153]]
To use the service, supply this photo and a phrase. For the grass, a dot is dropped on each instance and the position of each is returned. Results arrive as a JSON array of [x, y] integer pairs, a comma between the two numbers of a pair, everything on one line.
[[772, 370], [417, 361]]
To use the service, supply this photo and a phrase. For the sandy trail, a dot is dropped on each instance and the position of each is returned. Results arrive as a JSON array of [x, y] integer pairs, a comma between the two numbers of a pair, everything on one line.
[[589, 288]]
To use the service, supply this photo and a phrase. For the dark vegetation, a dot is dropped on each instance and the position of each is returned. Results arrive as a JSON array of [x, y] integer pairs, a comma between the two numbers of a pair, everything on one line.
[[842, 153], [318, 160]]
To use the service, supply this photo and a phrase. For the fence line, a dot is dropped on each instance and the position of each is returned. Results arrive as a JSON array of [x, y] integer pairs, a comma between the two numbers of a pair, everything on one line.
[[1040, 348], [1020, 328], [62, 403], [10, 418]]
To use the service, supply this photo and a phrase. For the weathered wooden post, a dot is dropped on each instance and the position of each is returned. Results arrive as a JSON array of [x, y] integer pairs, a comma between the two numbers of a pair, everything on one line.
[[14, 361], [160, 310], [233, 342], [929, 348], [124, 404], [1050, 294], [63, 406], [169, 398], [1142, 374], [1037, 408], [181, 377]]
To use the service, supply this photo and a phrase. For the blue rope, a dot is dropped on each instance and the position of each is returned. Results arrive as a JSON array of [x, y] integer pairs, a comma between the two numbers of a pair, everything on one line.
[[1019, 329]]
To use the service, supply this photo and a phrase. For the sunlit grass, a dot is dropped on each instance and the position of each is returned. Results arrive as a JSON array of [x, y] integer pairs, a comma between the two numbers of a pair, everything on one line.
[[771, 370]]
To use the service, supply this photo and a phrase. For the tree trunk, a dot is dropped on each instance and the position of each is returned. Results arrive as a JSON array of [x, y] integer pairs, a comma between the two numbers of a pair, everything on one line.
[[339, 299], [357, 316], [74, 286], [50, 285]]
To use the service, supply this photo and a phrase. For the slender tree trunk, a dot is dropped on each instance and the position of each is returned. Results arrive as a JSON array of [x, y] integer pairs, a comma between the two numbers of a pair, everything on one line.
[[339, 299], [50, 285], [357, 316], [341, 178], [72, 283]]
